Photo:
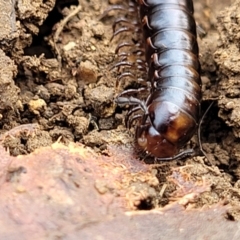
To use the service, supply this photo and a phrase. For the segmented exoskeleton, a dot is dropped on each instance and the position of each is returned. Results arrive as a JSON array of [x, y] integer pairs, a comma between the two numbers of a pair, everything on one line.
[[170, 113]]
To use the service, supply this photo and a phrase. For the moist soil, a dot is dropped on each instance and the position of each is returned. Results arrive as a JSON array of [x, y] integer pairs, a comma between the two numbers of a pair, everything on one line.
[[58, 85]]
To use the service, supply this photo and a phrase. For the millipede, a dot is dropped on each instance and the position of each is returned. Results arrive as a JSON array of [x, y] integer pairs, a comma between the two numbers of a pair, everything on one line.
[[170, 113]]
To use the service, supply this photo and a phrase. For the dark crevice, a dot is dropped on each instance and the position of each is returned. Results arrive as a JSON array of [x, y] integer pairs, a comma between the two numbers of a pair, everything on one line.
[[145, 204], [39, 45]]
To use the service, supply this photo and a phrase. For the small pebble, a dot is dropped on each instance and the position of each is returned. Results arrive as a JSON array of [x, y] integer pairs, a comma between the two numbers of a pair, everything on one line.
[[36, 106], [88, 72], [69, 46]]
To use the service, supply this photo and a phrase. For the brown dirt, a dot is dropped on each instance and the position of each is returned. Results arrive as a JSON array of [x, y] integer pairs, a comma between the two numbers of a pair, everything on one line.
[[56, 85]]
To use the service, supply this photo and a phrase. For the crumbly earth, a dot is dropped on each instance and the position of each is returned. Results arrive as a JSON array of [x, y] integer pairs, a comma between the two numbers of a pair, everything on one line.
[[57, 85]]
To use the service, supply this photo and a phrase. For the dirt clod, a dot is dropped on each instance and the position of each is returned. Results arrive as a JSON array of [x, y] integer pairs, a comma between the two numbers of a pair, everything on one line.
[[101, 99], [9, 91], [88, 72]]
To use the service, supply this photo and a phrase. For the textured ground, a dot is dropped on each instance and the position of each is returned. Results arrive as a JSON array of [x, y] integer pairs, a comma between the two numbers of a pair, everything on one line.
[[56, 86]]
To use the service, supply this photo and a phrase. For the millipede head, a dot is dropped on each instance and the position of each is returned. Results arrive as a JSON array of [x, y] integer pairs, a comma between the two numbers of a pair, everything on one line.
[[154, 143]]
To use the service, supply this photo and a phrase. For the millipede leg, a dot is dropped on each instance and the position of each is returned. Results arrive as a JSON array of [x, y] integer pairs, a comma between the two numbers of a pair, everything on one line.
[[138, 116], [183, 154], [123, 44], [130, 9], [124, 29], [120, 64], [128, 121], [132, 101], [123, 20], [199, 130], [133, 91]]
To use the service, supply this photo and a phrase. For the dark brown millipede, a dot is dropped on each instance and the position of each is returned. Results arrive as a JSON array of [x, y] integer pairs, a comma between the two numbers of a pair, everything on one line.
[[170, 113]]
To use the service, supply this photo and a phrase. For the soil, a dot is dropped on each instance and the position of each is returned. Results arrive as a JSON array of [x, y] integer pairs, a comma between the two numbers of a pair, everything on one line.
[[57, 85]]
